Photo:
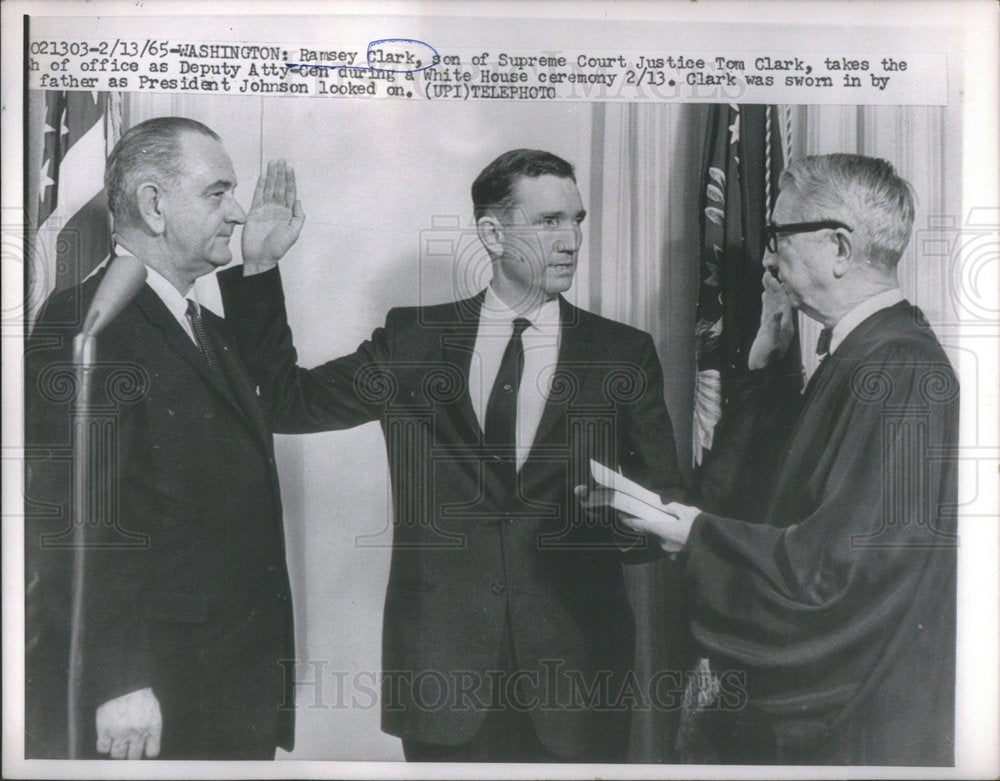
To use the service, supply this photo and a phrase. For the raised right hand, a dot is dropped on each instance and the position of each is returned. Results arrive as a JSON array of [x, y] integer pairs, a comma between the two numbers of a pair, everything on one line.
[[274, 220], [777, 325]]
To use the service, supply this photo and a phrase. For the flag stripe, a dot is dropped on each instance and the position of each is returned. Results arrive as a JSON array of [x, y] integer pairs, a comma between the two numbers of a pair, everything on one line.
[[81, 172]]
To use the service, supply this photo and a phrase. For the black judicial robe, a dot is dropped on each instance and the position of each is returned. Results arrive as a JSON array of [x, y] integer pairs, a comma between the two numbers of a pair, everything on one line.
[[839, 608]]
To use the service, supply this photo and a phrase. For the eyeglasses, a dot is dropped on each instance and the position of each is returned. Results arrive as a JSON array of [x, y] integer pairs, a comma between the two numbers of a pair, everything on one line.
[[772, 231]]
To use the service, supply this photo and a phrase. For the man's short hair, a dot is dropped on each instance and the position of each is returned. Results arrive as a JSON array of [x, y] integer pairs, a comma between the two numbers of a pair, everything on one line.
[[864, 192], [493, 188], [150, 151]]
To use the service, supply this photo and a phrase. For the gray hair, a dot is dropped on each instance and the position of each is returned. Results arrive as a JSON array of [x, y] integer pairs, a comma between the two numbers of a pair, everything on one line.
[[864, 192], [150, 151]]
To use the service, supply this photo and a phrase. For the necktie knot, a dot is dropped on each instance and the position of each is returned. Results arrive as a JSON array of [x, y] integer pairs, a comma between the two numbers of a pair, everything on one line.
[[193, 311], [823, 344], [520, 324]]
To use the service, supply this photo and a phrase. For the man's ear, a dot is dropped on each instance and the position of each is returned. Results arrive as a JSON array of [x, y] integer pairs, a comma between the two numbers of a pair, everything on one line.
[[149, 200], [845, 252], [490, 231]]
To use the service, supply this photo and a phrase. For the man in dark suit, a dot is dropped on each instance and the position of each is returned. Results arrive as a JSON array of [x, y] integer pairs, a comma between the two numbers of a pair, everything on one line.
[[184, 614], [507, 634]]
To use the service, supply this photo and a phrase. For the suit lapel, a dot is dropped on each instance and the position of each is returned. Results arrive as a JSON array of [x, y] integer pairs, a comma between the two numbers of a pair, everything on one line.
[[575, 356], [458, 342], [240, 384], [158, 315]]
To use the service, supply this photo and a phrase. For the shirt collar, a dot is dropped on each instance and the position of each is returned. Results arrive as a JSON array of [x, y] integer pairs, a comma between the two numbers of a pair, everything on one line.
[[546, 315], [862, 312], [171, 296]]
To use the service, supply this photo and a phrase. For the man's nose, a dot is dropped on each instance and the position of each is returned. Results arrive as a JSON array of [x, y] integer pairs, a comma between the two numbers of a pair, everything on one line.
[[234, 212], [570, 240], [770, 260]]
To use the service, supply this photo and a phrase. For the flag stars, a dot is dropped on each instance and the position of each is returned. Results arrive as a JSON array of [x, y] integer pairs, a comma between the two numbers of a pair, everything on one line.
[[44, 180]]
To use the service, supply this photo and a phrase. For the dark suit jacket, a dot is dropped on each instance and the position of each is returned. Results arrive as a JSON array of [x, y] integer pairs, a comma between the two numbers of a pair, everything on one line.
[[186, 588], [470, 555]]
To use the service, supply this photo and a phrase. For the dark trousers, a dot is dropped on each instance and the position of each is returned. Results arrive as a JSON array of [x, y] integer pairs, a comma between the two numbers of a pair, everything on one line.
[[507, 734]]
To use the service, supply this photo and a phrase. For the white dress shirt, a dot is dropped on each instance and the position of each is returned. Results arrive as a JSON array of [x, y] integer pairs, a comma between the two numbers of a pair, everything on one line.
[[541, 353], [171, 297], [862, 312]]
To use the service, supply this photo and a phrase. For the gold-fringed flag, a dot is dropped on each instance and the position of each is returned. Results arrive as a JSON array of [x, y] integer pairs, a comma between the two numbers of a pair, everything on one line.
[[742, 163]]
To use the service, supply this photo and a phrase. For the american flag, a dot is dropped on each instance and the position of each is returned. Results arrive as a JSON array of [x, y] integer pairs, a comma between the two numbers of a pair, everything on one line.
[[738, 445], [74, 234]]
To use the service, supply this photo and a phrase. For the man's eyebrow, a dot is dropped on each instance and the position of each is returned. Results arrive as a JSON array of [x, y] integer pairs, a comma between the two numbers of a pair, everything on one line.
[[559, 213], [220, 184]]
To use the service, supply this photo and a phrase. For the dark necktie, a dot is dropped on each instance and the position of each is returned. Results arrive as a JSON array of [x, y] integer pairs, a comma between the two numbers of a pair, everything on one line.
[[823, 351], [500, 428], [823, 344], [205, 343]]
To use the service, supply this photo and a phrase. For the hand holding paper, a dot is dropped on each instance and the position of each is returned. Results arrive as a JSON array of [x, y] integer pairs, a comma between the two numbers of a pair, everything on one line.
[[639, 508]]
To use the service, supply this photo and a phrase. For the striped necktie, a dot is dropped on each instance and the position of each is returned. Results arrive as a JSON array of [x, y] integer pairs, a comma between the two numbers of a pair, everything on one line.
[[206, 345]]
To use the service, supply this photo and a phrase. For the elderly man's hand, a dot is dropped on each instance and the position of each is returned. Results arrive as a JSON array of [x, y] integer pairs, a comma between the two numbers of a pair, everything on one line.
[[274, 221], [669, 524], [130, 725], [671, 527], [777, 325]]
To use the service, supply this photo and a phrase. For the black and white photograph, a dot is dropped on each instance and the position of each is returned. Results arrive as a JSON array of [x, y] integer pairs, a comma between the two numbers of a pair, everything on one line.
[[554, 390]]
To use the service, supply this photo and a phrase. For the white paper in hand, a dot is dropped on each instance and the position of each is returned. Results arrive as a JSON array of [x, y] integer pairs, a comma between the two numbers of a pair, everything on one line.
[[626, 495], [608, 478]]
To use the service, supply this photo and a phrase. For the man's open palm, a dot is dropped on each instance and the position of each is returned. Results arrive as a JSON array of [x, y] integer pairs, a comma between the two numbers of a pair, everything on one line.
[[275, 218]]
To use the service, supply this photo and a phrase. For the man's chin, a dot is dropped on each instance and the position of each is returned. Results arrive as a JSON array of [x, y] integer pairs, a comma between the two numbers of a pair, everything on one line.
[[556, 286]]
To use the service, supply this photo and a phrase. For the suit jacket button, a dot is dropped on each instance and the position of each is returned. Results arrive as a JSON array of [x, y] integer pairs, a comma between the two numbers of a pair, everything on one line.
[[498, 588]]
